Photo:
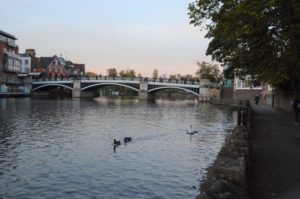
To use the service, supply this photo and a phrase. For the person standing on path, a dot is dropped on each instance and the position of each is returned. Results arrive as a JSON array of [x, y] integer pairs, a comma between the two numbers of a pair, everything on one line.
[[256, 99], [296, 109]]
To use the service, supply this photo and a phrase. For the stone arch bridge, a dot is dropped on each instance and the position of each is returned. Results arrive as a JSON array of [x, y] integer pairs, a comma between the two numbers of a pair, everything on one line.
[[146, 87]]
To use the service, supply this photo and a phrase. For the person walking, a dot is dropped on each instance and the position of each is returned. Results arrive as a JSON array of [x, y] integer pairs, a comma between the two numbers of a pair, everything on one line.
[[296, 109], [256, 99]]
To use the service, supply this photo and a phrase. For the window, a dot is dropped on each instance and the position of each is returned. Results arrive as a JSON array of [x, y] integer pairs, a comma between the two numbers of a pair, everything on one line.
[[10, 61], [26, 62], [247, 84], [3, 38]]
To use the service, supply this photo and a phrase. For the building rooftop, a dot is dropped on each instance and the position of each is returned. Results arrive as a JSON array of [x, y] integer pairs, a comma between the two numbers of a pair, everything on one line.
[[45, 61], [7, 35], [24, 55]]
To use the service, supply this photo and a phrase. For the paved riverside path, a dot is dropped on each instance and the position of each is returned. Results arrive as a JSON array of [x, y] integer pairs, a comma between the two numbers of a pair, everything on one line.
[[274, 154]]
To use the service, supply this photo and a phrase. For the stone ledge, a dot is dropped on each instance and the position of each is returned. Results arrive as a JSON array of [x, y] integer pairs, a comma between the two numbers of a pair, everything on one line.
[[226, 178]]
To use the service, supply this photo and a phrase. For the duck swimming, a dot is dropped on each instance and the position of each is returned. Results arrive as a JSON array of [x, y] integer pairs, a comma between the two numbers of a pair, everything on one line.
[[127, 139], [117, 142]]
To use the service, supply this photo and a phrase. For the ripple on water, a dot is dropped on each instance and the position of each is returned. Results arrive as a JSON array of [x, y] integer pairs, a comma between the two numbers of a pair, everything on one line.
[[63, 148]]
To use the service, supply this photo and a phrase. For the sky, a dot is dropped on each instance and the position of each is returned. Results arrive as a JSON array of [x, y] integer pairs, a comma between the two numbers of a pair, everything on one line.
[[122, 34]]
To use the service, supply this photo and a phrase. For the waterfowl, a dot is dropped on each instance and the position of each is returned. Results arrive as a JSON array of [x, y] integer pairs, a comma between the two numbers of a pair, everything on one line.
[[191, 131], [127, 139], [117, 142]]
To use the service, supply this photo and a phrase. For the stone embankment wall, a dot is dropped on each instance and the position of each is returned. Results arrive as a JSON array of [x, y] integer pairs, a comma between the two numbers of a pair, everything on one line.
[[226, 178]]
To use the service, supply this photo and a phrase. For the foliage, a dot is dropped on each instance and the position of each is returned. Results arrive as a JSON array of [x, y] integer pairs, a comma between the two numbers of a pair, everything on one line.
[[90, 74], [130, 73], [122, 73], [155, 74], [112, 72], [260, 38], [127, 73], [187, 77], [172, 77], [208, 71]]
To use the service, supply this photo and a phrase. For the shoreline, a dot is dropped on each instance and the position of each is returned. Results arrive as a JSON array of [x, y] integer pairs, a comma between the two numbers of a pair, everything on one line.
[[227, 177], [14, 95]]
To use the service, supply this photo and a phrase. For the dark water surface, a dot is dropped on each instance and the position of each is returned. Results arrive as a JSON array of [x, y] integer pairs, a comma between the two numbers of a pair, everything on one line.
[[63, 148]]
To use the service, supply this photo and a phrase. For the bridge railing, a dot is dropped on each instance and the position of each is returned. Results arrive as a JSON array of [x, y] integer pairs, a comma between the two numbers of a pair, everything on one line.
[[44, 79], [110, 78], [174, 81]]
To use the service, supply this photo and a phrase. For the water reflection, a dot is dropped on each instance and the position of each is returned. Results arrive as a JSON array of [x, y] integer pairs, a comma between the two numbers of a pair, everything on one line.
[[64, 148]]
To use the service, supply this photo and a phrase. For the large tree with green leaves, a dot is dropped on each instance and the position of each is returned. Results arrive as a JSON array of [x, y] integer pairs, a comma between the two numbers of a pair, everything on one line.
[[260, 38]]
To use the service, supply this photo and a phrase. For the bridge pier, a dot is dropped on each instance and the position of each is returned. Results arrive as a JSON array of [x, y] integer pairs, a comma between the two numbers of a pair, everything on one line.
[[144, 94], [76, 89], [204, 91]]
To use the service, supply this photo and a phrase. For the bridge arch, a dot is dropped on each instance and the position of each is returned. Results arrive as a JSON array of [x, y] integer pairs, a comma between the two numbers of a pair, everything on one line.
[[49, 85], [114, 84], [172, 87]]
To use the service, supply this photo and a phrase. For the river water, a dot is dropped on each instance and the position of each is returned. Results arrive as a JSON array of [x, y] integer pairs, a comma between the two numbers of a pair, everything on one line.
[[62, 148]]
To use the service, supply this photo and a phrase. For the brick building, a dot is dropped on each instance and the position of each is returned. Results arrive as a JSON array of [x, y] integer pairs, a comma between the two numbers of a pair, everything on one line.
[[54, 67], [10, 64]]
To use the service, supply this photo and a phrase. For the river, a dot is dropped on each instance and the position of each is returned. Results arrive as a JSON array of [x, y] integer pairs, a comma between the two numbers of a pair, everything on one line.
[[62, 148]]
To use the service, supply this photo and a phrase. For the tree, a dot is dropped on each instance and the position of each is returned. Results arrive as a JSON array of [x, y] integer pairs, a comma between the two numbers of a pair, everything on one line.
[[155, 74], [172, 77], [122, 73], [187, 77], [208, 71], [112, 72], [130, 73], [256, 38], [127, 73], [90, 74]]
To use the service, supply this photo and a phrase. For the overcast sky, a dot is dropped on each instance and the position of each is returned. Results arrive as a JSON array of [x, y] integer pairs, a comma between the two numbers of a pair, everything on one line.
[[137, 34]]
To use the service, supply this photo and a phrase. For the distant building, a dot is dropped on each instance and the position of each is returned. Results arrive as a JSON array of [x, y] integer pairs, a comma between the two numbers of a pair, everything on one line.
[[24, 75], [75, 70], [227, 83], [34, 60], [54, 67], [247, 90], [10, 64], [25, 63], [227, 87]]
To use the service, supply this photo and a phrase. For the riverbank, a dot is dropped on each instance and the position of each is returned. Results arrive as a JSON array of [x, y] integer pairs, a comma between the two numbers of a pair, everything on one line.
[[14, 95], [227, 177], [262, 163]]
